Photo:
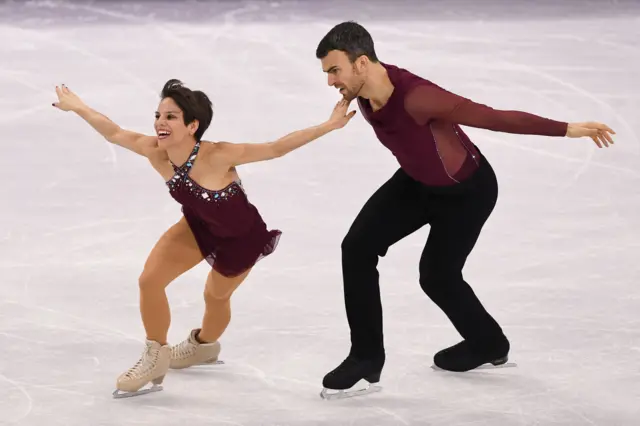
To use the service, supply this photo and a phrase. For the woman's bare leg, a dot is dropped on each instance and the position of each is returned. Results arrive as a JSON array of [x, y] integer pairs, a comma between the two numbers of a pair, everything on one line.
[[217, 295], [174, 254]]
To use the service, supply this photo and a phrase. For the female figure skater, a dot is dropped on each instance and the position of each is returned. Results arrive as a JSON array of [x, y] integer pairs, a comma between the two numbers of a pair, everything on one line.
[[219, 224]]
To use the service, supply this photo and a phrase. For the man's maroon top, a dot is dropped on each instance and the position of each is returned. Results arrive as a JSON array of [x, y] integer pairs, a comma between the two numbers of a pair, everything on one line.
[[420, 125]]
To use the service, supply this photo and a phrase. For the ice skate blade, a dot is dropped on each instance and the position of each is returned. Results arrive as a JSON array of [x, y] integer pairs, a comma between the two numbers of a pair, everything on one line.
[[118, 394], [487, 366], [216, 362], [332, 394], [198, 365], [209, 363]]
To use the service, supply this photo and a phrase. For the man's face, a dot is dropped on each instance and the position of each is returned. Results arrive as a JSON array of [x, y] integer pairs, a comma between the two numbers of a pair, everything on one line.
[[344, 75]]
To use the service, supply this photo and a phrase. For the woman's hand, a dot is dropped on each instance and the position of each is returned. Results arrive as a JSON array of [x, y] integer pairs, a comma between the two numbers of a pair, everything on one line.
[[339, 117], [67, 100]]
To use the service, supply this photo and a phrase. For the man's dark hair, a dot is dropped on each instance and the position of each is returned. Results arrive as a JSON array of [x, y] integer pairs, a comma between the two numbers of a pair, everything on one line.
[[195, 104], [349, 37]]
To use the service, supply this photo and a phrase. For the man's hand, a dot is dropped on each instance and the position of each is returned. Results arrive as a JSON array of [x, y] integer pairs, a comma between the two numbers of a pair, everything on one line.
[[599, 133]]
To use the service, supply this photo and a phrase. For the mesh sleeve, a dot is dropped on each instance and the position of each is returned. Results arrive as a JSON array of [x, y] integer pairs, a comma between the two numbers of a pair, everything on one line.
[[430, 102]]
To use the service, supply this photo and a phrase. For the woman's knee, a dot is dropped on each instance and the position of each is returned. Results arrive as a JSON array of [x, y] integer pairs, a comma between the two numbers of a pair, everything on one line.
[[150, 280], [218, 288], [216, 296], [145, 281]]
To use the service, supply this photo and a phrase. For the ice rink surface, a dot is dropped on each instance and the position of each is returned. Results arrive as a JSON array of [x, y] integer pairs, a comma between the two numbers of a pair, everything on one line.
[[557, 264]]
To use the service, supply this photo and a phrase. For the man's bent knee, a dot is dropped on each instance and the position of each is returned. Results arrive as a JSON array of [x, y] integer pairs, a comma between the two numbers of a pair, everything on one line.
[[437, 280], [358, 243]]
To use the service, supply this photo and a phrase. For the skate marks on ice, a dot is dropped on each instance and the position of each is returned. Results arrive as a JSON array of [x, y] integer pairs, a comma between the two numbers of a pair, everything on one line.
[[29, 406]]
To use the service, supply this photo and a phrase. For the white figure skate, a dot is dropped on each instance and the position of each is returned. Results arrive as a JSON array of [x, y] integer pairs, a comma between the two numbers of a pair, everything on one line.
[[150, 368], [190, 352]]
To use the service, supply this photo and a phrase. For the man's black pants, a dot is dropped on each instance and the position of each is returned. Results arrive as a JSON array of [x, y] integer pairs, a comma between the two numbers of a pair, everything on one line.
[[398, 208]]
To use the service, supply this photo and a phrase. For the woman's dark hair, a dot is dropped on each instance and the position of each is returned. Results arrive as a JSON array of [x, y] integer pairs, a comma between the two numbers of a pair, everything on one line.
[[195, 104]]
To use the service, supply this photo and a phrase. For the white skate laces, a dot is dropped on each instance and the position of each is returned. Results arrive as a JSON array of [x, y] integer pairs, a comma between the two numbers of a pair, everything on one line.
[[183, 350], [151, 367], [147, 362], [190, 352], [157, 359]]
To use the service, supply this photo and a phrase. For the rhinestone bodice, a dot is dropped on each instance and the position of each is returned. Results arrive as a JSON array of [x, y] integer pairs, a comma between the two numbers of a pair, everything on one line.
[[226, 211]]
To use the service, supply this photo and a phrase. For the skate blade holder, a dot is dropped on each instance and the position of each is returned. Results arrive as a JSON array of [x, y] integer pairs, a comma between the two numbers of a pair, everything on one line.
[[118, 394], [487, 366], [216, 362], [333, 394], [209, 363]]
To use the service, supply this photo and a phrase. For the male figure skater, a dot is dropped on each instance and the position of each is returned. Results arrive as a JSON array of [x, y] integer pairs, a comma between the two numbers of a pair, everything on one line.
[[443, 180]]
